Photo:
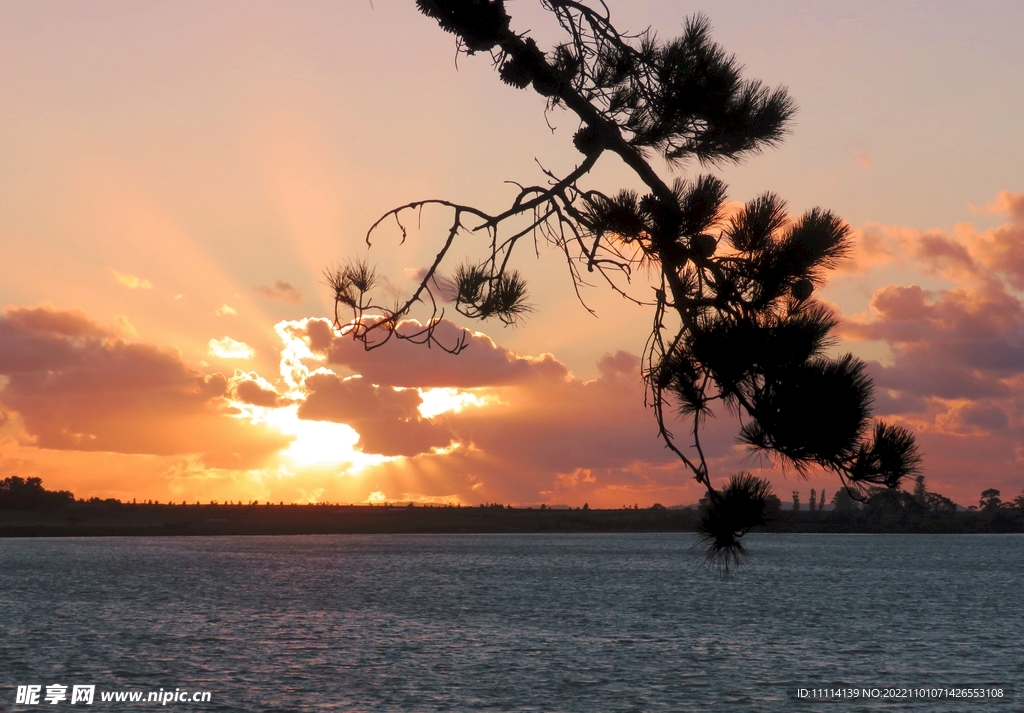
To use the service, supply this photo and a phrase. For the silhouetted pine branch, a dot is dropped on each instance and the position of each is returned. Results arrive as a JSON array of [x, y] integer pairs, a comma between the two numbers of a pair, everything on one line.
[[735, 321]]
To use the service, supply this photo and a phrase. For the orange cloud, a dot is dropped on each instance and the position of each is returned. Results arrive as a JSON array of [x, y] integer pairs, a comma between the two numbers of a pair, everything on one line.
[[76, 386], [1008, 202], [131, 281]]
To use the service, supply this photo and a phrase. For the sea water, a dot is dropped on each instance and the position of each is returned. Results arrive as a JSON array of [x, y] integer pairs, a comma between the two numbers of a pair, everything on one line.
[[587, 622]]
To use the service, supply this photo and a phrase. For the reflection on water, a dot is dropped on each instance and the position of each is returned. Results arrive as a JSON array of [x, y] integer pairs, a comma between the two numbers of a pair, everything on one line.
[[511, 622]]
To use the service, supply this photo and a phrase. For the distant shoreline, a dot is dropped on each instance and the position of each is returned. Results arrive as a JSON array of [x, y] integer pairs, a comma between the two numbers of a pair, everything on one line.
[[104, 519], [89, 519]]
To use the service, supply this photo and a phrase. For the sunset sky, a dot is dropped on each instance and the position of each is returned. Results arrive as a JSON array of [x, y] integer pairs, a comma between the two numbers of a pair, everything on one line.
[[175, 177]]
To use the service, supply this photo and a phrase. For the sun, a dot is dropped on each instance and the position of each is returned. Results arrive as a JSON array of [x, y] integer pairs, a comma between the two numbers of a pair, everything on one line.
[[314, 443]]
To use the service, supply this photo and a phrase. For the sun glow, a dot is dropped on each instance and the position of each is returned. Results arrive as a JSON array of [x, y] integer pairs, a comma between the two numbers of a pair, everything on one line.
[[315, 442], [444, 400], [228, 348]]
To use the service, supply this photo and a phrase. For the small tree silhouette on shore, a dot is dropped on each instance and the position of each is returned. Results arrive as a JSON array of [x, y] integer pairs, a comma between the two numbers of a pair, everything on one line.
[[990, 500], [734, 322]]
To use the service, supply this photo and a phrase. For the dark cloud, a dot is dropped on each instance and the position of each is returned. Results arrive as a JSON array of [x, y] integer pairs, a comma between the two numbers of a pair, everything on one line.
[[898, 401], [985, 416]]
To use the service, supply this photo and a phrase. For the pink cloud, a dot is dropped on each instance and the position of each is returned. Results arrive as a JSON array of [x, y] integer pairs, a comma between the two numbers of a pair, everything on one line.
[[956, 373], [965, 254], [958, 343], [944, 253], [1004, 251]]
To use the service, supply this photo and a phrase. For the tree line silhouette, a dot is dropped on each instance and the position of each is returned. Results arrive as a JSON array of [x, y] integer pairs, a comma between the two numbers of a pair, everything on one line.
[[885, 510], [18, 493]]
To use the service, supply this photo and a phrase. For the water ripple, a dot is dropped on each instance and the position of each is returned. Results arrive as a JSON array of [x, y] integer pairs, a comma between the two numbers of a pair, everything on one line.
[[511, 622]]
